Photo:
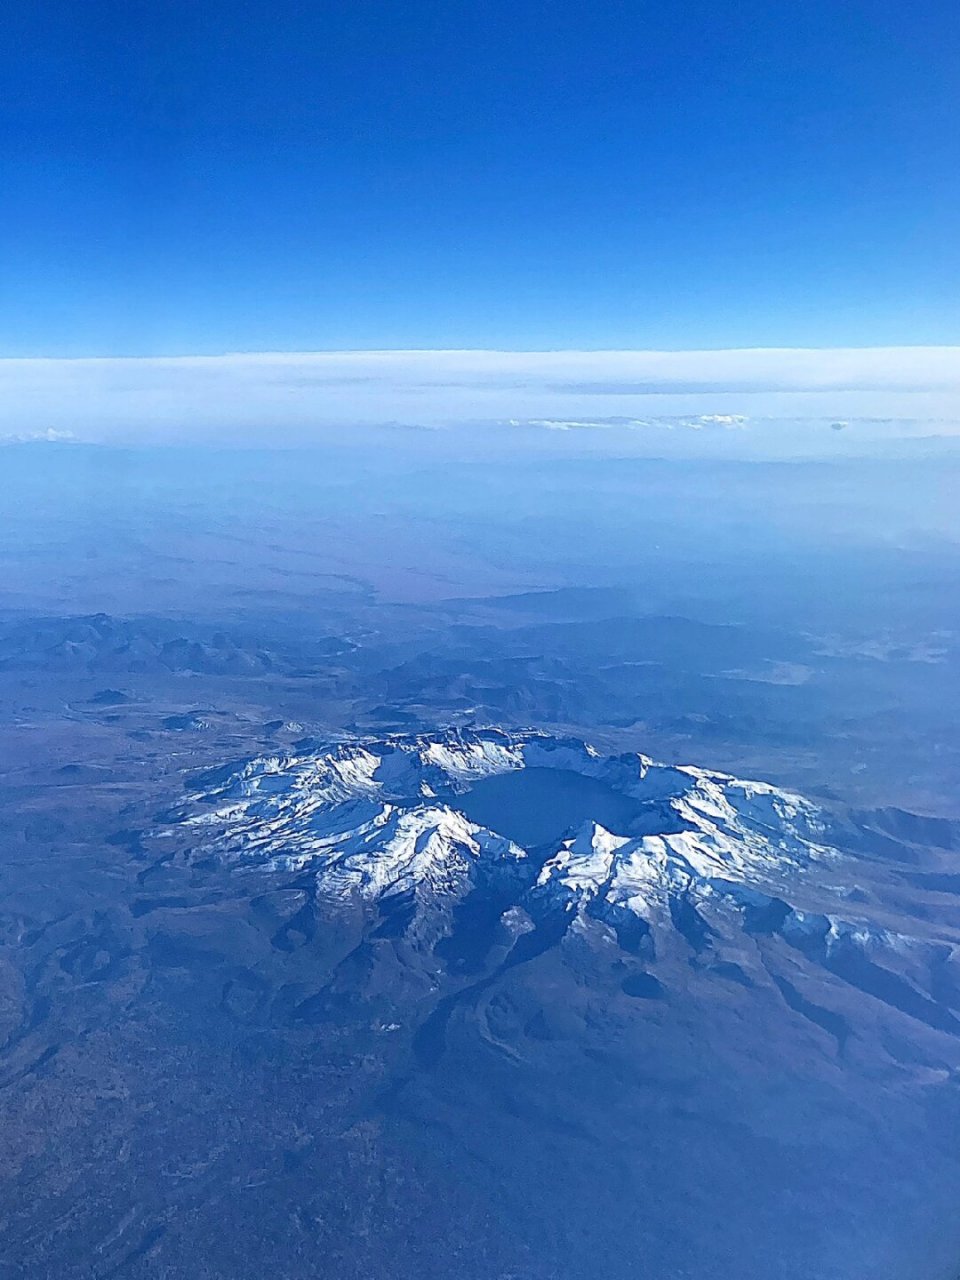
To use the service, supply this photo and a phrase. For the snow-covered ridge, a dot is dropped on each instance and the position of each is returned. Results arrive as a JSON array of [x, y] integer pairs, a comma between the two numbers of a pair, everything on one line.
[[379, 818], [460, 855]]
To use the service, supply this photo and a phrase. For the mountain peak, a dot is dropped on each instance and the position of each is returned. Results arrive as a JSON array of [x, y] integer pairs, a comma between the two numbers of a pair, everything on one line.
[[525, 819]]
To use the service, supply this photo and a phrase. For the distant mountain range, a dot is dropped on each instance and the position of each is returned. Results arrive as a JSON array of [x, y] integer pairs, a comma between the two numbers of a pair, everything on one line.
[[101, 643]]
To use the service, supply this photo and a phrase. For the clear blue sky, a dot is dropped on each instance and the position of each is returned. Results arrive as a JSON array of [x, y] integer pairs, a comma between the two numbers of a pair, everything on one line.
[[197, 176]]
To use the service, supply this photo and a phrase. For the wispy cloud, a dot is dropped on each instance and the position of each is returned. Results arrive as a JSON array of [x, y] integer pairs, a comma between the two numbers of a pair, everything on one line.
[[699, 422], [50, 436], [272, 394]]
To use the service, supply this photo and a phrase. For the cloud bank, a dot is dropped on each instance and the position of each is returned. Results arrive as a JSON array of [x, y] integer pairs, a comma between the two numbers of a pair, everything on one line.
[[289, 395]]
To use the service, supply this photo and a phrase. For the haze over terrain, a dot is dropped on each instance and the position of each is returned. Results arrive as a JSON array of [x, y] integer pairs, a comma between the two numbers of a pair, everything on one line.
[[320, 921]]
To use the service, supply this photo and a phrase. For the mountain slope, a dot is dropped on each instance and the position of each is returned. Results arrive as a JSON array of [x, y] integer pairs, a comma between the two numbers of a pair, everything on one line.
[[489, 1005], [472, 851]]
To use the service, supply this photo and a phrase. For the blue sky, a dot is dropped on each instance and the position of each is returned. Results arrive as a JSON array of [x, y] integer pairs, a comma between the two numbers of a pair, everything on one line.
[[185, 177]]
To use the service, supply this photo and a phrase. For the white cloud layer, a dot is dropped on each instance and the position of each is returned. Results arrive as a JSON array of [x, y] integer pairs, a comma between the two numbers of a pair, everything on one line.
[[276, 395]]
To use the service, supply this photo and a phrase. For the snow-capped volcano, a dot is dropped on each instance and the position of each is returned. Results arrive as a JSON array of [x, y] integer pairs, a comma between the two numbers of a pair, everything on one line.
[[534, 823], [647, 958]]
